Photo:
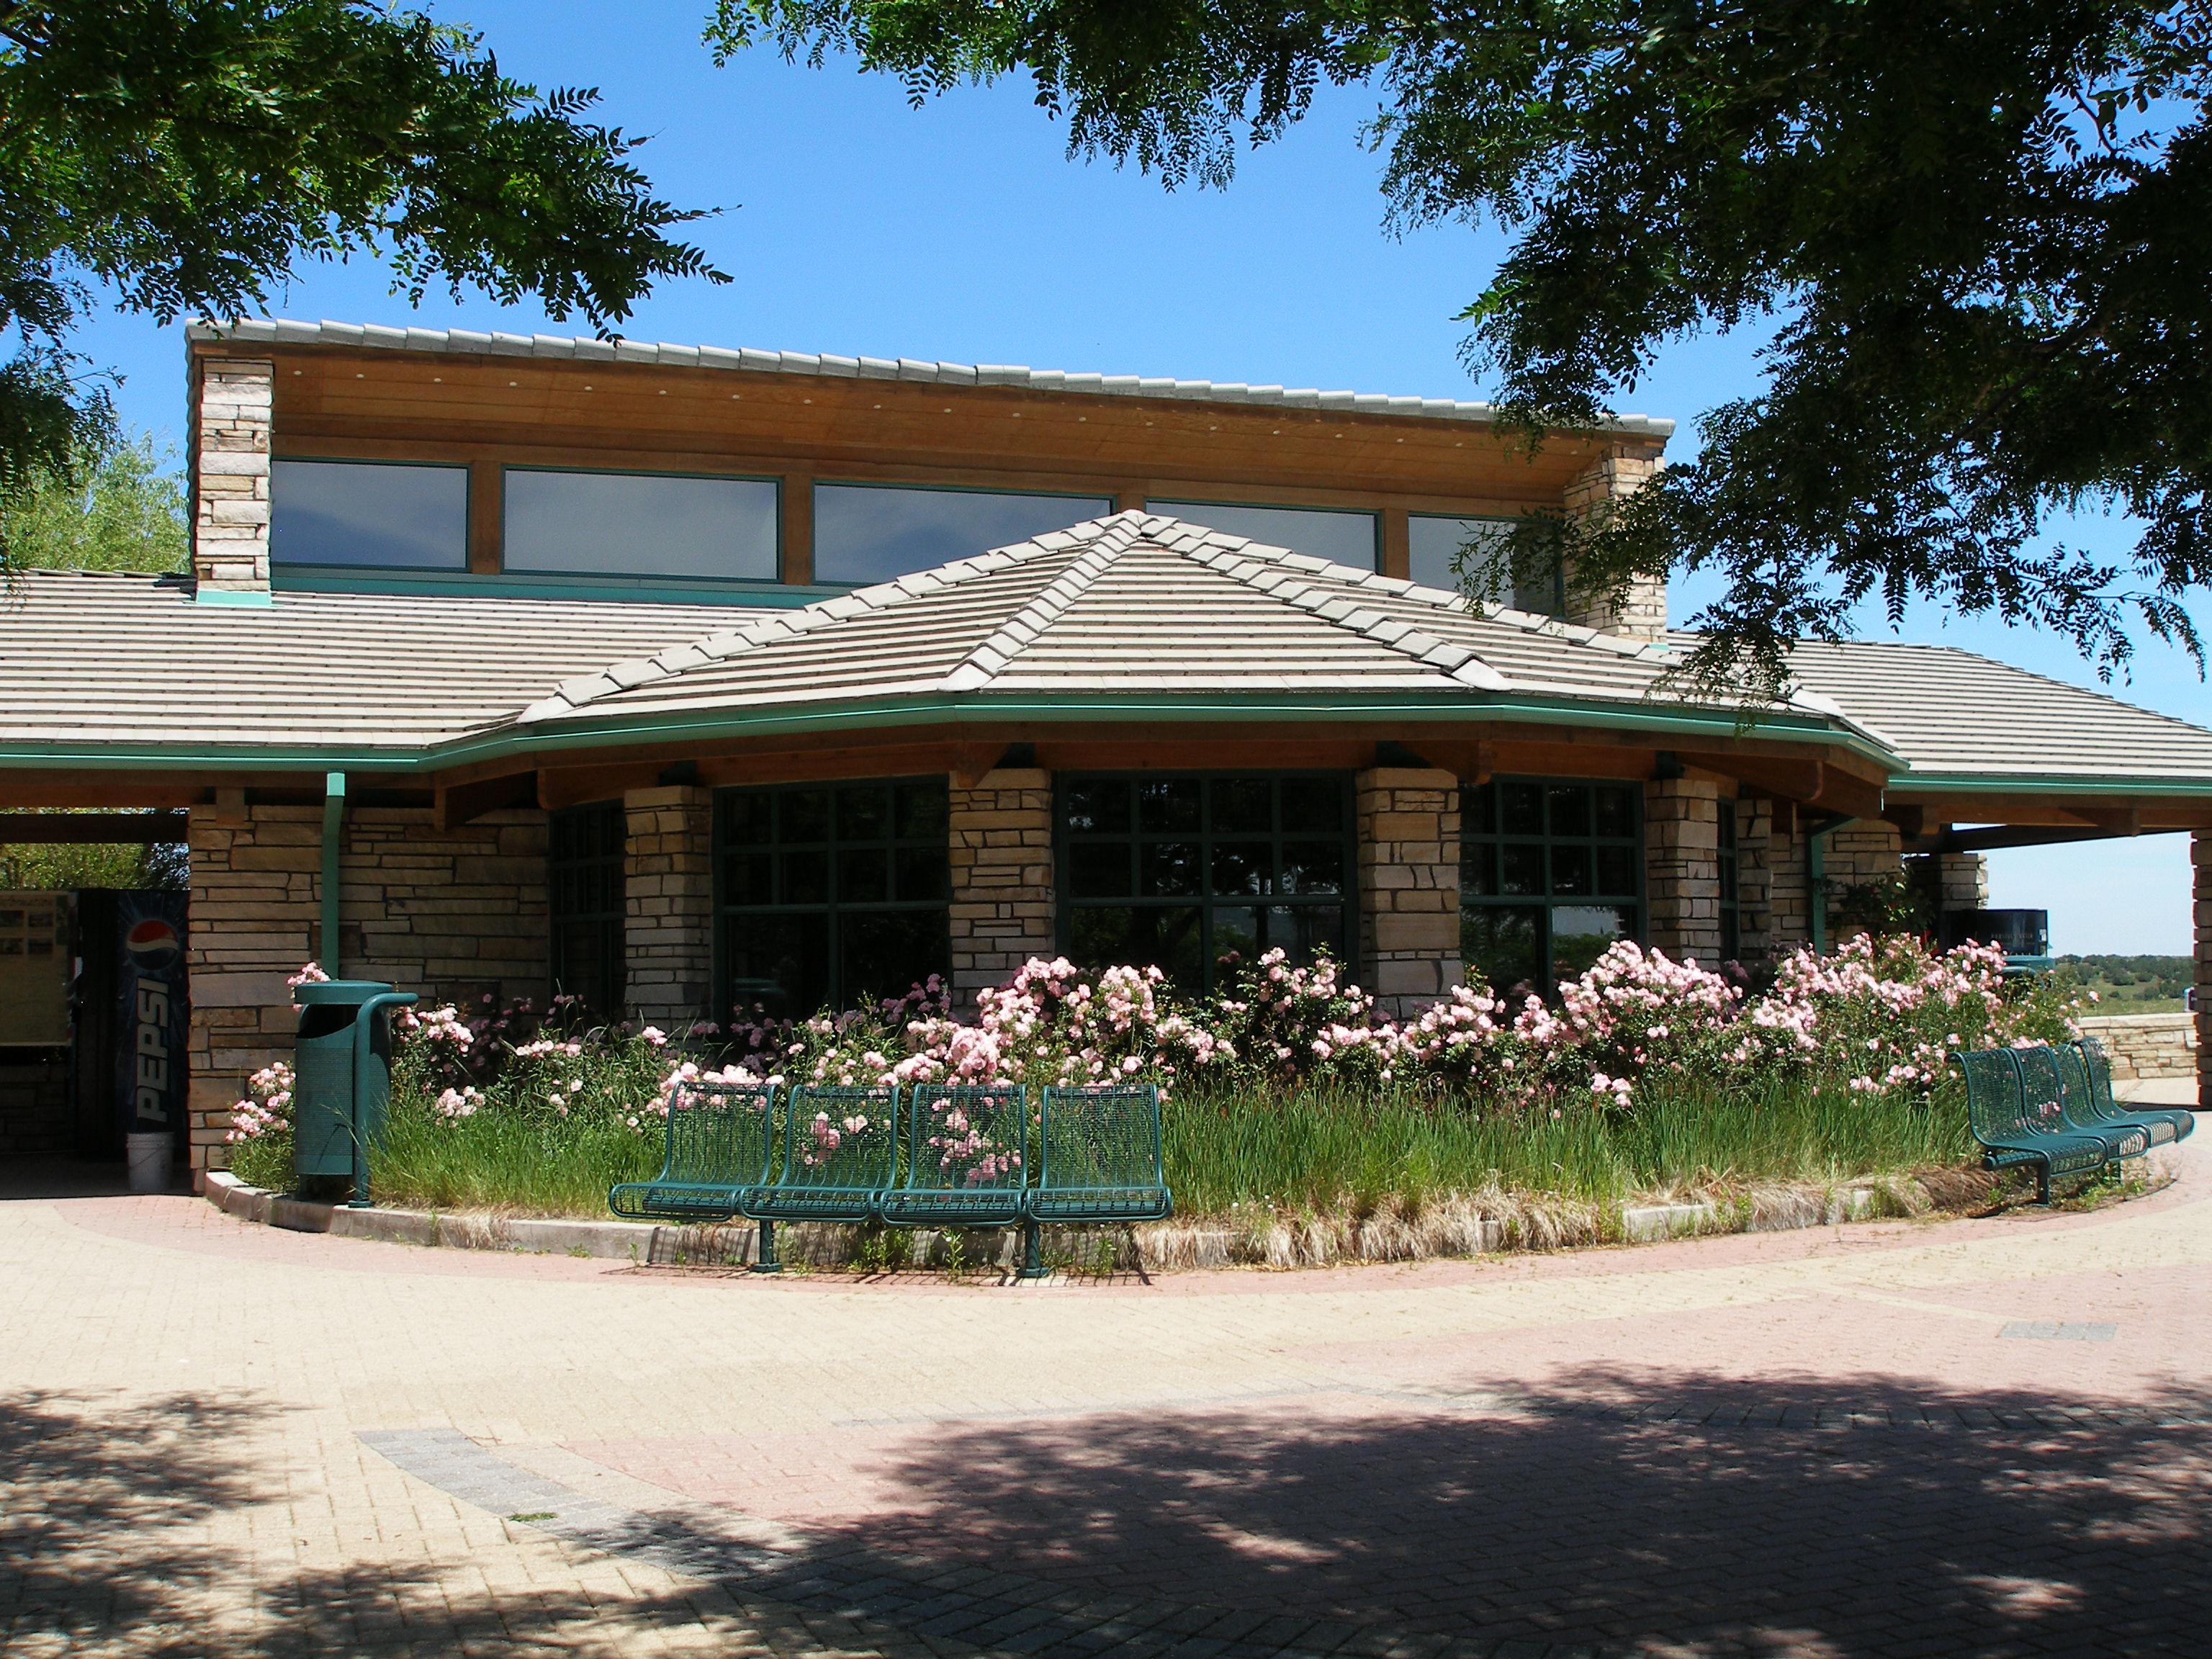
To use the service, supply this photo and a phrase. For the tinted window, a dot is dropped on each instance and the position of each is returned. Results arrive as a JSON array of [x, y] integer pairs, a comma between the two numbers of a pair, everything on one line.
[[863, 533], [1342, 537], [635, 524], [369, 512], [1434, 542]]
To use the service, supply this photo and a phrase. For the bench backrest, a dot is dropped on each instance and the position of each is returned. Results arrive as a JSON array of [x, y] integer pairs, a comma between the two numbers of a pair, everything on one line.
[[1099, 1138], [2043, 1091], [2076, 1098], [844, 1139], [968, 1138], [719, 1132], [2100, 1068], [1993, 1093]]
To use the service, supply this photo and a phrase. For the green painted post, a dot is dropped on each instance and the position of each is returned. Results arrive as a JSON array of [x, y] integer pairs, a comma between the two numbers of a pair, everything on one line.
[[334, 800], [765, 1259], [1032, 1256], [1816, 881]]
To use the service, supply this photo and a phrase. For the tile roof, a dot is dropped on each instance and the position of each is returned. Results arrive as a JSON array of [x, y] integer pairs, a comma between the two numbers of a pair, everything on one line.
[[285, 331], [1133, 605]]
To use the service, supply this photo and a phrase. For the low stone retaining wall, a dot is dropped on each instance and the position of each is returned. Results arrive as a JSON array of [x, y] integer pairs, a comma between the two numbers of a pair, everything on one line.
[[1457, 1227], [2146, 1045]]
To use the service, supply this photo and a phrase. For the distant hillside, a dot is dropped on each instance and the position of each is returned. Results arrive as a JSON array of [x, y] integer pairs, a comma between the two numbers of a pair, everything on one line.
[[2131, 985]]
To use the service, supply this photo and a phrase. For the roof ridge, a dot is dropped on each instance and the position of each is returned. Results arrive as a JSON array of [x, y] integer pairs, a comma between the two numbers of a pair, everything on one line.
[[1251, 563], [288, 331], [572, 694], [1108, 538]]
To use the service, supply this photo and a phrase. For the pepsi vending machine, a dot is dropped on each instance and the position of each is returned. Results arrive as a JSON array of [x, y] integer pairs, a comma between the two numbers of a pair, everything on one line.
[[152, 1013]]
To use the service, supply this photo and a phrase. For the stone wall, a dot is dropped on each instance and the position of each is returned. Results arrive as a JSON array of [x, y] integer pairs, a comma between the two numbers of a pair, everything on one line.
[[1754, 878], [38, 1115], [1681, 866], [1642, 613], [450, 914], [1003, 908], [1406, 837], [1962, 881], [2146, 1045], [230, 477], [668, 952], [1856, 853]]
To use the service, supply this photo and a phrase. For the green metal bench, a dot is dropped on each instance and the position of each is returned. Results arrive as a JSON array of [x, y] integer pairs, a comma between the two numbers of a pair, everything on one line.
[[2015, 1130], [717, 1148], [1098, 1160], [840, 1155], [967, 1157], [2164, 1123], [2043, 1083]]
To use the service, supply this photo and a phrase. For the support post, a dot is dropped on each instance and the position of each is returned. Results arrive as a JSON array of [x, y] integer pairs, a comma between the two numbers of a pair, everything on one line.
[[1816, 882], [765, 1259], [334, 801], [1032, 1253]]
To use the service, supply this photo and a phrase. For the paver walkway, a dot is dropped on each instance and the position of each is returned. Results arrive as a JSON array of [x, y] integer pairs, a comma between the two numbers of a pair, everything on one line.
[[1982, 1438]]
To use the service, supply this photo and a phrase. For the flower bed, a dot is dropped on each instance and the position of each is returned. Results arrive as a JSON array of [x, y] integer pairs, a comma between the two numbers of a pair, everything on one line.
[[1283, 1092]]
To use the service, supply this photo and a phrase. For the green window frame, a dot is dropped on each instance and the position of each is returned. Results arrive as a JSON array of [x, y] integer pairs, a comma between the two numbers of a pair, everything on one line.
[[1175, 869], [825, 893], [1731, 878], [1551, 875], [587, 904]]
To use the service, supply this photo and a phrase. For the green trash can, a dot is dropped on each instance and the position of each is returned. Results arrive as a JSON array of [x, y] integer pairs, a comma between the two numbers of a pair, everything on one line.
[[342, 1072]]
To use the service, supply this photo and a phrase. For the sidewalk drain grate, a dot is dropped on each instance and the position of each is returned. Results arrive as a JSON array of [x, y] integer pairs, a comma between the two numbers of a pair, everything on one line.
[[2052, 1330]]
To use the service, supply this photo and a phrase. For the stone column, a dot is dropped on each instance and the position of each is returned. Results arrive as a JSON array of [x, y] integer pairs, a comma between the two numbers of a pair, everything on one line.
[[1002, 911], [230, 481], [1620, 471], [1407, 833], [2200, 852], [1681, 867], [668, 877], [1963, 880]]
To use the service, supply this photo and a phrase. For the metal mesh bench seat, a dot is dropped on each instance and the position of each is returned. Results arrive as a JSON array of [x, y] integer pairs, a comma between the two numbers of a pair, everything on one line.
[[2013, 1134], [1098, 1159], [718, 1148], [2044, 1085], [2164, 1123], [967, 1156]]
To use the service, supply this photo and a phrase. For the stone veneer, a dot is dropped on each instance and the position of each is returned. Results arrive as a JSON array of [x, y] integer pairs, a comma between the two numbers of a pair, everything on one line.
[[1754, 878], [1407, 841], [1681, 866], [1003, 908], [2200, 852], [668, 956], [1962, 881], [230, 477], [449, 914], [2146, 1045], [1641, 612]]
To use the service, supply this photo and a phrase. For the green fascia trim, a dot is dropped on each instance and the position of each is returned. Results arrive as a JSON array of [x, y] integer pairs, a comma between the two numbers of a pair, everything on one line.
[[254, 597], [1912, 783], [1678, 724], [663, 589]]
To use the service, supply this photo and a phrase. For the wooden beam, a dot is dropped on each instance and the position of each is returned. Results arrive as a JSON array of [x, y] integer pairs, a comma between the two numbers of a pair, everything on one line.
[[93, 829], [579, 785], [465, 803]]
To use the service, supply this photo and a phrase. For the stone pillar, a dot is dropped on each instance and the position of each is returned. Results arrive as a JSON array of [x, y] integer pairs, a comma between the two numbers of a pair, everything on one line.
[[2200, 852], [1407, 833], [1003, 911], [668, 955], [230, 481], [1755, 858], [1620, 471], [1681, 867], [1963, 881]]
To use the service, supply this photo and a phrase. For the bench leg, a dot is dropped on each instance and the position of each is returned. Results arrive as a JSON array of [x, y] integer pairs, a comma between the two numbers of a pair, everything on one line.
[[765, 1259], [2043, 1183], [1032, 1257]]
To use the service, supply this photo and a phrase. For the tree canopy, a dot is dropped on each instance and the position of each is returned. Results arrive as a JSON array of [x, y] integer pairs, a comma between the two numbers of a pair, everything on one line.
[[1979, 232], [121, 510], [181, 156]]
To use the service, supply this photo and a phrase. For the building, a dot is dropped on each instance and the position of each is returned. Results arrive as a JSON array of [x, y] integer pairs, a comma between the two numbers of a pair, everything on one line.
[[684, 678]]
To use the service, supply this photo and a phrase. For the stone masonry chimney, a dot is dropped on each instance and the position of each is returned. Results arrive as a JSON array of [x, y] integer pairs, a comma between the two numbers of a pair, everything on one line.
[[230, 480]]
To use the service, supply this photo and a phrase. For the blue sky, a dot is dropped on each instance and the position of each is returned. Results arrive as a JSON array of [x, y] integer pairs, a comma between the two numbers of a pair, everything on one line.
[[960, 232]]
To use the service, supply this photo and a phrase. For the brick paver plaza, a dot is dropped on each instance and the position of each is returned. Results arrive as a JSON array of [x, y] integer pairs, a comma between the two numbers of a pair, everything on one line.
[[1965, 1438]]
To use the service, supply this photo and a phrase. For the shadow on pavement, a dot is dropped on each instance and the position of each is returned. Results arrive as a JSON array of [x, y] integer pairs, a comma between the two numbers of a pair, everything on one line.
[[1560, 1524]]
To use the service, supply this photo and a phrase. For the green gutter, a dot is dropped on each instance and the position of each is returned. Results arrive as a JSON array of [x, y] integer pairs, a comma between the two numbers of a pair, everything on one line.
[[334, 800], [2043, 783], [1816, 881], [584, 734]]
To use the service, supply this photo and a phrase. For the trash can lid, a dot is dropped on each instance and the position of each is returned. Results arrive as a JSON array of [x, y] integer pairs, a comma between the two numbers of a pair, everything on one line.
[[342, 992]]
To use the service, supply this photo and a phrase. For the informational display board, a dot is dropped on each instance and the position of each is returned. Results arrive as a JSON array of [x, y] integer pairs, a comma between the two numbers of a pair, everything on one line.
[[152, 1010], [36, 966]]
